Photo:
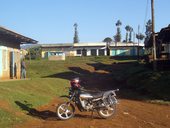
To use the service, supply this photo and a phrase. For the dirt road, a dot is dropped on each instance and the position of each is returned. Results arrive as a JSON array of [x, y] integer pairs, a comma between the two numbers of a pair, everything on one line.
[[130, 114]]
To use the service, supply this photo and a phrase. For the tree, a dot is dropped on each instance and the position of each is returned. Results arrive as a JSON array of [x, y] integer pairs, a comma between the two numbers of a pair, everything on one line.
[[127, 32], [117, 37], [34, 53], [148, 31], [76, 38], [130, 34], [140, 36], [108, 40]]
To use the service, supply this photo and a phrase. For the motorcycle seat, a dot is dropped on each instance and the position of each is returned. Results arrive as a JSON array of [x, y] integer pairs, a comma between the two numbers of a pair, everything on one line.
[[97, 94], [94, 94]]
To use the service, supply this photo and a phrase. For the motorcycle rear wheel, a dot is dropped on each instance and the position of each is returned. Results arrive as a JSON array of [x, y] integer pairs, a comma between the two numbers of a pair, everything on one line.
[[106, 113], [65, 111]]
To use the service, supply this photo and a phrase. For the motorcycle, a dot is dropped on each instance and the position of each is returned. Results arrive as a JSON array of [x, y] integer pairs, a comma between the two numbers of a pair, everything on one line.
[[102, 102]]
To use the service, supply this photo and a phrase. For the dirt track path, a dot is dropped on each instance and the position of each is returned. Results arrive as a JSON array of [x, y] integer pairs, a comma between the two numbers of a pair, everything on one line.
[[130, 114]]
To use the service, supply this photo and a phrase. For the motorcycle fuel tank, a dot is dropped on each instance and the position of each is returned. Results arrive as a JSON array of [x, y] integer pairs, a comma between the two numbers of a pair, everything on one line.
[[86, 96]]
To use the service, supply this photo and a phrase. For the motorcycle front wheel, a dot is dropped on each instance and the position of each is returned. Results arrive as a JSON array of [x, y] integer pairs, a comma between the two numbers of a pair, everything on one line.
[[65, 111], [107, 112]]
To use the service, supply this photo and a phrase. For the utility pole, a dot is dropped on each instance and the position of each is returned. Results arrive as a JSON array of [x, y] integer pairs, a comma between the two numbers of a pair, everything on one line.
[[153, 35]]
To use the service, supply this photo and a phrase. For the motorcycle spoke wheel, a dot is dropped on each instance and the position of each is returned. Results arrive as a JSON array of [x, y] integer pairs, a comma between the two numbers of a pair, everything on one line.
[[106, 113], [65, 111]]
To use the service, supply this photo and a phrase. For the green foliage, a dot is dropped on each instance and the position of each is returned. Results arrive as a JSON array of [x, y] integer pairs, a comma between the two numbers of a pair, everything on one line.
[[34, 53], [117, 37], [130, 34], [118, 23], [140, 36], [148, 31], [129, 31], [76, 38], [107, 40], [145, 81]]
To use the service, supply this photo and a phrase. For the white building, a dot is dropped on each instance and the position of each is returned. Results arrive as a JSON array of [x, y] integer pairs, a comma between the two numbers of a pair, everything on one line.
[[94, 49]]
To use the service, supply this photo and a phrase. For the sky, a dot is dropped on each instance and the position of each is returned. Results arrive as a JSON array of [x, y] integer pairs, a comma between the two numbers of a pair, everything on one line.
[[51, 21]]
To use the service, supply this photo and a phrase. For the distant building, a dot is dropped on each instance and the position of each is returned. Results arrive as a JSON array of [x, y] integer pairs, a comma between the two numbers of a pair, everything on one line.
[[162, 45], [10, 53], [55, 55], [93, 49]]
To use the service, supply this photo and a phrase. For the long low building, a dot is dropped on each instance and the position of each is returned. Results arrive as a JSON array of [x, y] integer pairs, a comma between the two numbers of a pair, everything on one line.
[[93, 49]]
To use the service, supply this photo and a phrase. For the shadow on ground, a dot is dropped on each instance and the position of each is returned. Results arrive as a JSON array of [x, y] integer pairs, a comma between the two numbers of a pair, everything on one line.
[[101, 77], [127, 76], [47, 114]]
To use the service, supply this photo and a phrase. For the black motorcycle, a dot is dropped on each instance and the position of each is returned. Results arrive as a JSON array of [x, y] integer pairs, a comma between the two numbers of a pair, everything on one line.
[[102, 102]]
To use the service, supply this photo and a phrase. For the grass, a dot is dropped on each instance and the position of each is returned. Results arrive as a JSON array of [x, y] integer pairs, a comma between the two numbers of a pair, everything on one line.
[[42, 86], [35, 92], [156, 84], [7, 119]]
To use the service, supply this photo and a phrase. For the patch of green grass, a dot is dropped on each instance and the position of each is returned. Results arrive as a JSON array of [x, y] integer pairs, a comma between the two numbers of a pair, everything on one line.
[[35, 92], [8, 119], [161, 102], [145, 81]]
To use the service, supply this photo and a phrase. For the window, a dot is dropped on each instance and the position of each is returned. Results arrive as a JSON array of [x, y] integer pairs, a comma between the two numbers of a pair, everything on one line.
[[78, 51], [101, 52], [94, 52]]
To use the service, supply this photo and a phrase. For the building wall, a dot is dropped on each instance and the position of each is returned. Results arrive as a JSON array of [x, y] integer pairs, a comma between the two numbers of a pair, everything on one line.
[[121, 49], [10, 66], [88, 50], [1, 62], [124, 51], [68, 52]]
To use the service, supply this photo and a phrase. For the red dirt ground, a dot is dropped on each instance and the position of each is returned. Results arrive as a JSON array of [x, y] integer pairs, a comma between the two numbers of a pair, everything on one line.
[[130, 114]]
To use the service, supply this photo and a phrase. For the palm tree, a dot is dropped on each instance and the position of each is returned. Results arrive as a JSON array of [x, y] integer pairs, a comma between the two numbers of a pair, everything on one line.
[[140, 36], [118, 23], [108, 40], [130, 34], [117, 37]]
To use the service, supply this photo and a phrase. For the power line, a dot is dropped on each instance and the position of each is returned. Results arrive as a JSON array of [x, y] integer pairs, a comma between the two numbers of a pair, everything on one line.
[[146, 15]]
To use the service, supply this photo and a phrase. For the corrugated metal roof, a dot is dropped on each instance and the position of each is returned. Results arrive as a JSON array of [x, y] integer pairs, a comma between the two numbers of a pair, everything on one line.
[[6, 33]]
